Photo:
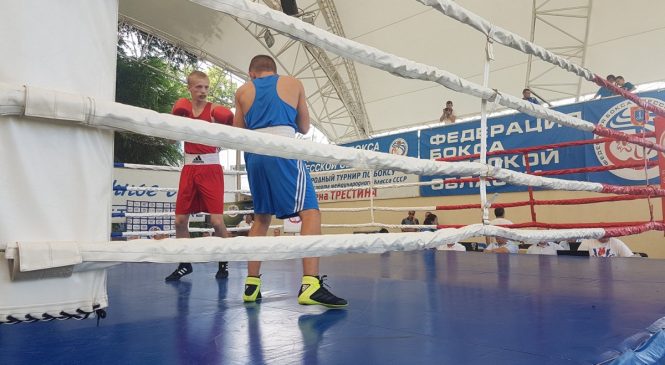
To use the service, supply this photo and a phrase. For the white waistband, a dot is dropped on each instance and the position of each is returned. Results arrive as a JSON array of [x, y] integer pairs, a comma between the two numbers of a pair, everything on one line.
[[280, 130], [202, 159]]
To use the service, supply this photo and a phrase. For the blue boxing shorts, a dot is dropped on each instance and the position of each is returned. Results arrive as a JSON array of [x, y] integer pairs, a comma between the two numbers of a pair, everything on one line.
[[279, 186]]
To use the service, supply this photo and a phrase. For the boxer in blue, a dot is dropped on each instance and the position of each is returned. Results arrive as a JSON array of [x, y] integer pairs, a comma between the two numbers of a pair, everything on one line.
[[275, 104]]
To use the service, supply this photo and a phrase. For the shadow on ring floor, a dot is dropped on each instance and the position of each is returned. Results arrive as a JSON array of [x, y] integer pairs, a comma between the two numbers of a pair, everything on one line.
[[411, 308]]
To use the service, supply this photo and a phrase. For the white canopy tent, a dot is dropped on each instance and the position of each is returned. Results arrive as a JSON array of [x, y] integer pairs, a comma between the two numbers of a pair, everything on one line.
[[351, 101]]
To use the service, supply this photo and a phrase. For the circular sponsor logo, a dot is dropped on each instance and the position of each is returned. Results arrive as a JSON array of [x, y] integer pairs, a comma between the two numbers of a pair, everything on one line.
[[628, 118], [399, 147], [231, 210]]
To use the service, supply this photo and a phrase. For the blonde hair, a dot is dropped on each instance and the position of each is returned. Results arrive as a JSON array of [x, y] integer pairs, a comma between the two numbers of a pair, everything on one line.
[[195, 75]]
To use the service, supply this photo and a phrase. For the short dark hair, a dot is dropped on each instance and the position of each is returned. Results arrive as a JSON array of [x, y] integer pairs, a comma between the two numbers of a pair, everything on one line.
[[611, 77], [262, 63], [527, 89], [449, 102], [499, 212], [618, 77]]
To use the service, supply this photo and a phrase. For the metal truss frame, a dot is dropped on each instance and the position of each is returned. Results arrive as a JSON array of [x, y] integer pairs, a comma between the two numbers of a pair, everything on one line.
[[553, 19], [336, 106]]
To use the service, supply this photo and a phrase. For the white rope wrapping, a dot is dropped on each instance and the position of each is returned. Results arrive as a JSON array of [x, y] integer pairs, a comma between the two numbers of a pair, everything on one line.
[[505, 37], [324, 210], [240, 229], [170, 168], [208, 249], [173, 190], [148, 188], [375, 224], [380, 186], [170, 214], [42, 103], [133, 166], [191, 229], [387, 209], [376, 58]]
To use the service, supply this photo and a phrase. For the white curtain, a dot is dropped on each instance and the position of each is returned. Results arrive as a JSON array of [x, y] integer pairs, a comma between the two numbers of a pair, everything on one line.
[[55, 180]]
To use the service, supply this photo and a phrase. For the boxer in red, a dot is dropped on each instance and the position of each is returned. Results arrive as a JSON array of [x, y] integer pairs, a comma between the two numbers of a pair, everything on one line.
[[201, 187]]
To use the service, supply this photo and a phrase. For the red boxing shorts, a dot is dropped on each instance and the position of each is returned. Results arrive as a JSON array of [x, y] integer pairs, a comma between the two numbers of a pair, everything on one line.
[[201, 189]]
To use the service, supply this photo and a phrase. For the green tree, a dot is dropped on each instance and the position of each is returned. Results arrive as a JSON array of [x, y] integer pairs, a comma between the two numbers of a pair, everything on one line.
[[149, 83]]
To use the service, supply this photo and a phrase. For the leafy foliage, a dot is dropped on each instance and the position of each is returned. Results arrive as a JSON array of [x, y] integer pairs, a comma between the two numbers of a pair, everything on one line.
[[149, 84]]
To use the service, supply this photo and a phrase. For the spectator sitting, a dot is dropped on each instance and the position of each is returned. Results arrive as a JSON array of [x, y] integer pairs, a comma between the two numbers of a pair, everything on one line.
[[624, 84], [452, 247], [543, 248], [502, 245], [247, 221], [500, 214], [410, 220], [604, 92], [276, 232], [526, 95], [448, 115], [565, 245], [605, 247], [430, 220]]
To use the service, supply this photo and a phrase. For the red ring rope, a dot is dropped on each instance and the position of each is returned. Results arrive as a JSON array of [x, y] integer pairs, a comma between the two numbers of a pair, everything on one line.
[[578, 201], [611, 228]]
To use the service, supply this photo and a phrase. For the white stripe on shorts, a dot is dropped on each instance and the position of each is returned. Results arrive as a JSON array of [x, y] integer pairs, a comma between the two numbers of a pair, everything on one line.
[[300, 188]]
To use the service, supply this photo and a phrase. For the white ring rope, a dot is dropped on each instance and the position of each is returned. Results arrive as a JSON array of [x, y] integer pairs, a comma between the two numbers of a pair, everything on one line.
[[364, 186], [172, 213], [324, 210], [375, 224], [191, 229], [170, 190], [376, 58], [42, 103], [133, 166], [208, 249], [226, 172], [169, 168], [505, 37], [240, 229]]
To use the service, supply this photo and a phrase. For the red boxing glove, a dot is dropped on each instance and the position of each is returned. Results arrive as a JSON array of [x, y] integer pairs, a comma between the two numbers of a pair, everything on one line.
[[222, 115], [183, 108]]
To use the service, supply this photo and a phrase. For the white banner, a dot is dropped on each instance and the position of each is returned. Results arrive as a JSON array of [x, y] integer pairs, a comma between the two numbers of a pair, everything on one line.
[[152, 201], [353, 184]]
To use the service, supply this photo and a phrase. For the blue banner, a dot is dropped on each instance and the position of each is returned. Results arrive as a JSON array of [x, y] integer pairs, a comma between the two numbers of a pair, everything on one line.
[[405, 144], [521, 130]]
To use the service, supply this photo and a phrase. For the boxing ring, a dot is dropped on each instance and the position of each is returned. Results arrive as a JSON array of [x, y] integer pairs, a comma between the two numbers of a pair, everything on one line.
[[406, 307]]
